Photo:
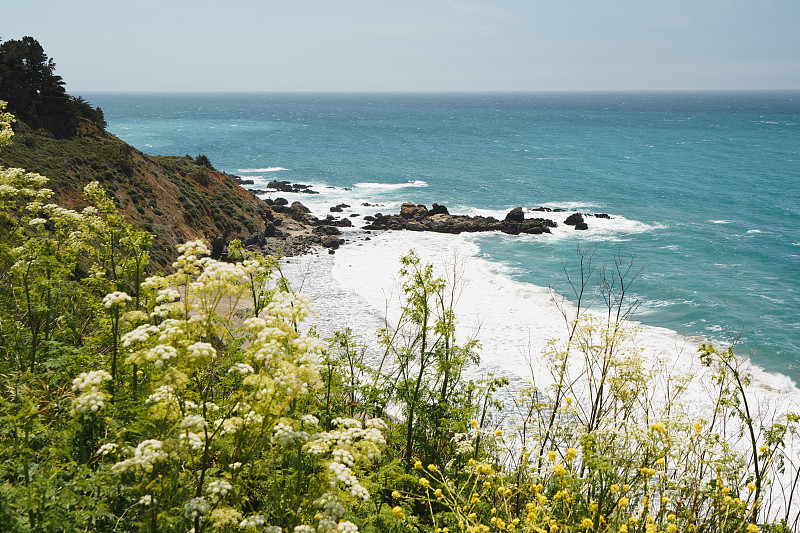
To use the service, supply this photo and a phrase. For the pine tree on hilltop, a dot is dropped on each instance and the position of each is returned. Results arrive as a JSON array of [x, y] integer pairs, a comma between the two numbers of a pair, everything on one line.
[[36, 94]]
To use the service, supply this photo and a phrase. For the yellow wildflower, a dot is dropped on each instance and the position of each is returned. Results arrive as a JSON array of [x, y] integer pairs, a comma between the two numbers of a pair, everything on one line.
[[395, 495], [438, 494], [672, 528], [572, 453], [551, 456], [623, 529], [398, 512], [473, 423], [418, 465], [660, 461], [751, 486], [498, 432], [559, 470], [623, 502], [432, 468], [568, 400], [763, 449], [626, 487], [614, 488], [658, 427], [425, 483], [474, 498], [752, 528], [587, 523], [593, 507], [487, 485]]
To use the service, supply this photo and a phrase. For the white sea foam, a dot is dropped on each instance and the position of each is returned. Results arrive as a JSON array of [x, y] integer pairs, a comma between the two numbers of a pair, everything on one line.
[[513, 320], [754, 231], [720, 221], [391, 186], [268, 169]]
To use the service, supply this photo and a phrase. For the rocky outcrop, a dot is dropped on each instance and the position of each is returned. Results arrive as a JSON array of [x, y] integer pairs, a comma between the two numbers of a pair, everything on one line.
[[515, 215], [285, 186], [416, 217], [576, 219]]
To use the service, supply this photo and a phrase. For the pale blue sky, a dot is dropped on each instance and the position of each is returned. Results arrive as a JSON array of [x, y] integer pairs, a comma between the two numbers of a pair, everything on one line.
[[414, 45]]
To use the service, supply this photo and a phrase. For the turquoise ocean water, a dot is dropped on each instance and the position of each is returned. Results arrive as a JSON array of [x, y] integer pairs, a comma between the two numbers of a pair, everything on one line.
[[704, 187]]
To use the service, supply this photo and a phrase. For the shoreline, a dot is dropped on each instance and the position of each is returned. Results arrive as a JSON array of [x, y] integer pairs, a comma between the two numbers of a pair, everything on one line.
[[416, 220]]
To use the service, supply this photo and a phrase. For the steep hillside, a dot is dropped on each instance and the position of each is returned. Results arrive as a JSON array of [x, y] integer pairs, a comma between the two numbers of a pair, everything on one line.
[[175, 198]]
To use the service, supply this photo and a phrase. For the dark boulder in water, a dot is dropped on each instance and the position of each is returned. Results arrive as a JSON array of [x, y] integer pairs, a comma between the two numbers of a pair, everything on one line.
[[574, 219], [515, 215]]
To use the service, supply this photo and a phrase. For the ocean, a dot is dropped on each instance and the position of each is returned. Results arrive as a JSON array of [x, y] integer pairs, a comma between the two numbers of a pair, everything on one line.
[[703, 190]]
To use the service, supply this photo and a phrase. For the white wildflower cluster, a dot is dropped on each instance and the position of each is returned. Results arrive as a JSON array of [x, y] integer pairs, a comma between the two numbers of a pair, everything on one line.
[[348, 443], [304, 529], [153, 283], [167, 334], [147, 500], [116, 298], [106, 448], [139, 335], [344, 475], [286, 436], [252, 521], [230, 425], [241, 368], [217, 490], [330, 509], [346, 526], [170, 331], [218, 275], [160, 354], [252, 266], [195, 507], [340, 455], [189, 261], [200, 350], [463, 443], [163, 395], [310, 420], [146, 454], [289, 306], [192, 440], [87, 386], [349, 434], [167, 294], [194, 422], [34, 222], [163, 310]]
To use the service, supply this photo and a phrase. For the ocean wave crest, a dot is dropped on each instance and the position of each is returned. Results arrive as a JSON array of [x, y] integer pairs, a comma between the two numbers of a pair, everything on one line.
[[268, 169], [391, 186]]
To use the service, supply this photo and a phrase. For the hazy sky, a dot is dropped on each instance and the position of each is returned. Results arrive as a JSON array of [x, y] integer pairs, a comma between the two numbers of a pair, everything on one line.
[[413, 45]]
